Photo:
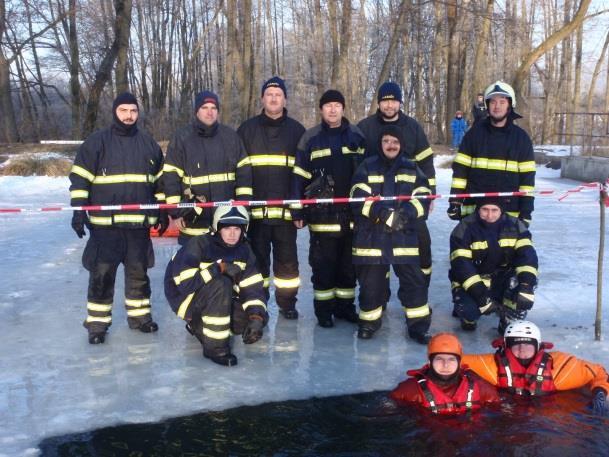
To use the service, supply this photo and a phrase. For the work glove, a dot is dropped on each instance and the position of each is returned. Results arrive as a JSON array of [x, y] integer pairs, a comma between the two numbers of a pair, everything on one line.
[[525, 297], [488, 306], [162, 223], [253, 329], [79, 220], [599, 404], [191, 214], [231, 270], [394, 220], [525, 218], [321, 187], [454, 211]]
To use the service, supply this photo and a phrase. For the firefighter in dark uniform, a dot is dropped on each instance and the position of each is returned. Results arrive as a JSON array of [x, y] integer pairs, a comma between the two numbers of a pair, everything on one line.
[[120, 164], [493, 266], [270, 140], [327, 157], [416, 148], [495, 156], [385, 235], [213, 283], [205, 161]]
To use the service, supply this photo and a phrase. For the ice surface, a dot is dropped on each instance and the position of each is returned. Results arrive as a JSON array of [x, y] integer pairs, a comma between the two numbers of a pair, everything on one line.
[[53, 382]]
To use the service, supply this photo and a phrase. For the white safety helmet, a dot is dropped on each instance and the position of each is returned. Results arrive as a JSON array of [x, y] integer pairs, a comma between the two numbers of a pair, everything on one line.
[[500, 88], [522, 332], [231, 215]]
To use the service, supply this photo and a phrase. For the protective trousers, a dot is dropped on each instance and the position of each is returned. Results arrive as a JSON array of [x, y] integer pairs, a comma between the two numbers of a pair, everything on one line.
[[424, 249], [282, 239], [333, 274], [412, 294], [106, 249]]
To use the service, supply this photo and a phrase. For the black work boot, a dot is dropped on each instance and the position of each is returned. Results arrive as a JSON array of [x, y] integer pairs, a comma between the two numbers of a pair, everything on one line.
[[97, 337], [325, 321], [225, 359], [468, 326], [148, 326], [421, 338], [365, 333], [290, 314], [347, 314]]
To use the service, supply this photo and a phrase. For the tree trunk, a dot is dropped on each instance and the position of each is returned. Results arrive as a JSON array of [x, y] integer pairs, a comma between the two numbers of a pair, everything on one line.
[[122, 27], [333, 25], [9, 124], [75, 97], [595, 75], [452, 73], [479, 77]]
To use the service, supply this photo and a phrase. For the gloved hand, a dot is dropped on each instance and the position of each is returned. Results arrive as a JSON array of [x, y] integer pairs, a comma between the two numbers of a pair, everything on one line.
[[162, 223], [454, 211], [394, 220], [320, 187], [191, 214], [231, 270], [600, 407], [525, 218], [79, 220], [253, 329], [525, 297], [488, 306]]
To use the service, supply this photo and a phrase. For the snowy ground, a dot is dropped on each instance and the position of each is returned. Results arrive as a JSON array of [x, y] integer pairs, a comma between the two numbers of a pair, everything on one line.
[[53, 382]]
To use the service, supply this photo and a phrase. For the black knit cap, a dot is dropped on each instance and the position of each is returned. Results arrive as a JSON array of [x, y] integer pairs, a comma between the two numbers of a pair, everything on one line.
[[394, 131], [332, 95], [275, 81], [389, 91], [497, 201], [204, 97], [126, 98]]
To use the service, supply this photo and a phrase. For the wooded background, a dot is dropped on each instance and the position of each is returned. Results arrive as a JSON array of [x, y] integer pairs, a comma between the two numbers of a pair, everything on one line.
[[63, 61]]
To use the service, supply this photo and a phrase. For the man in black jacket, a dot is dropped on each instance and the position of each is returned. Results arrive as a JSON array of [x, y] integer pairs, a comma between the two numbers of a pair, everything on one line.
[[118, 164], [479, 112], [270, 140], [206, 161]]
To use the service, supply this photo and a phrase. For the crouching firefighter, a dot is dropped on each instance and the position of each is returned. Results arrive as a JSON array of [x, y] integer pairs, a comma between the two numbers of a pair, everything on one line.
[[444, 385], [213, 284]]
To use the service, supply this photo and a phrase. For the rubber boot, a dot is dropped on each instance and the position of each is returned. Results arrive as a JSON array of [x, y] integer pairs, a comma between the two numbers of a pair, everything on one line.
[[97, 337], [468, 326], [290, 314], [225, 359], [347, 314]]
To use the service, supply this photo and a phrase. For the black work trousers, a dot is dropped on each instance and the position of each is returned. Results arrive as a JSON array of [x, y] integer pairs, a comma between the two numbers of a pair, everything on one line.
[[106, 249], [282, 239]]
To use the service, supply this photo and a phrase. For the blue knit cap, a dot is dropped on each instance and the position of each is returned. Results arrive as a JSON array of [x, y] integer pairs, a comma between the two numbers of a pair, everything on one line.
[[204, 97], [275, 81], [389, 91]]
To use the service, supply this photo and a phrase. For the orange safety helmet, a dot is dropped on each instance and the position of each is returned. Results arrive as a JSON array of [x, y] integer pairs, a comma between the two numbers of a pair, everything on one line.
[[444, 343]]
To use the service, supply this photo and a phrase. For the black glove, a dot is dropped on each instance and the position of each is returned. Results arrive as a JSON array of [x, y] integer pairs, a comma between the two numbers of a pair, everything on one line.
[[525, 218], [525, 297], [231, 270], [253, 329], [454, 211], [394, 220], [162, 223], [321, 187], [488, 306], [79, 220], [599, 404]]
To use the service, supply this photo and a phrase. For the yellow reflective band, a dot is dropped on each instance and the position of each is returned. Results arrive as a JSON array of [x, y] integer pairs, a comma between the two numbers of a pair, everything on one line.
[[461, 253], [251, 280], [426, 271], [80, 171], [299, 171], [204, 265], [244, 191], [158, 175], [160, 196], [241, 265], [137, 302], [467, 209], [324, 227], [344, 293], [328, 294], [129, 218], [421, 190], [389, 220], [405, 251], [256, 302], [486, 280], [528, 296], [421, 311], [174, 199], [495, 164], [526, 188], [173, 169], [243, 162], [471, 281], [208, 179], [206, 275], [216, 320], [105, 320], [138, 312], [512, 213], [405, 178], [362, 252], [463, 159], [478, 245], [373, 315], [388, 274], [184, 275], [184, 306], [509, 303], [507, 242], [99, 307], [266, 282], [79, 193], [286, 283], [318, 154], [376, 179], [526, 269], [522, 243], [119, 179], [214, 335], [272, 160], [459, 183], [346, 150], [296, 205], [366, 208], [360, 185], [99, 220], [194, 231], [423, 154], [418, 206], [271, 212], [432, 181], [524, 167]]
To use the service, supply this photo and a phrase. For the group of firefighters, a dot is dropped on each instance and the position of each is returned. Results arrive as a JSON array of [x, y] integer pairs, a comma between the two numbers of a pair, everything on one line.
[[219, 279]]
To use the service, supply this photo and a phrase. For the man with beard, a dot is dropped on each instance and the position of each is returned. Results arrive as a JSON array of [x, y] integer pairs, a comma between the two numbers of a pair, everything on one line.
[[495, 156]]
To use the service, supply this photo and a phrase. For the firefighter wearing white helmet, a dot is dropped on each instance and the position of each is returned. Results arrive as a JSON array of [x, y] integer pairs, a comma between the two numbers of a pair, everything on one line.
[[213, 284], [523, 365], [495, 156]]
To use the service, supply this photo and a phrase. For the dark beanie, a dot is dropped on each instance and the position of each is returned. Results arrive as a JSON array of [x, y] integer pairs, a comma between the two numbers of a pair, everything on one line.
[[330, 96], [389, 91], [497, 201], [275, 81], [204, 97], [394, 131], [126, 98]]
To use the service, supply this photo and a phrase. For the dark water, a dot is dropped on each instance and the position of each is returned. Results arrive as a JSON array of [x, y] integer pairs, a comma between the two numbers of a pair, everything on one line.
[[355, 425]]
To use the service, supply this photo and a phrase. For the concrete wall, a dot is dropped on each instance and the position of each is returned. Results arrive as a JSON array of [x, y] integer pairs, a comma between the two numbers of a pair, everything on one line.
[[586, 169]]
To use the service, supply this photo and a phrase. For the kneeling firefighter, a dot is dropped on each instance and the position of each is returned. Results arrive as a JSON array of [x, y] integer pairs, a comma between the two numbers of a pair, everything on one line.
[[213, 284], [444, 385]]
